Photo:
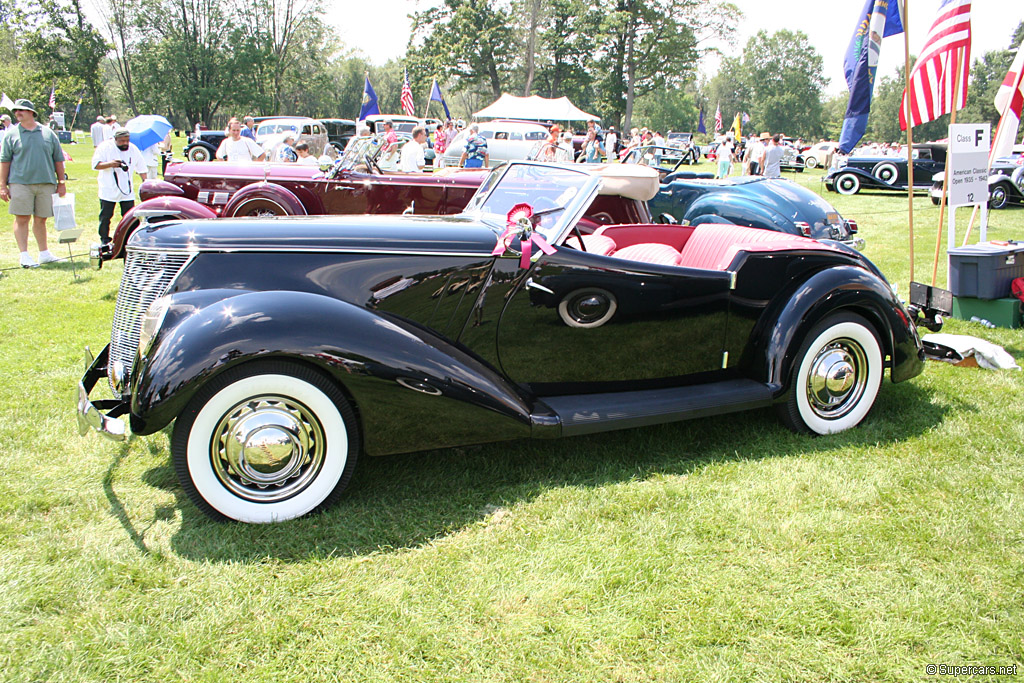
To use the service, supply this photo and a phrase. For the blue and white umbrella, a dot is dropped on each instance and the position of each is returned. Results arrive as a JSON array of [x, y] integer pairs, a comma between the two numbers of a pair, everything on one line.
[[148, 129]]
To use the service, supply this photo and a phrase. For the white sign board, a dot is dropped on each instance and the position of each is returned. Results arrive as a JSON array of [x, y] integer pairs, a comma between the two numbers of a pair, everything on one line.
[[968, 164]]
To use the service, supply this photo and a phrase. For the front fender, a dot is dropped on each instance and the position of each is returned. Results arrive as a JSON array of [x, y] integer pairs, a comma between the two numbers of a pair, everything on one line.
[[782, 328], [412, 389], [176, 207]]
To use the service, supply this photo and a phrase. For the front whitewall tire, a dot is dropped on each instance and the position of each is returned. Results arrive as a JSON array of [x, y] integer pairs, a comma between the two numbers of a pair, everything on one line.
[[300, 402]]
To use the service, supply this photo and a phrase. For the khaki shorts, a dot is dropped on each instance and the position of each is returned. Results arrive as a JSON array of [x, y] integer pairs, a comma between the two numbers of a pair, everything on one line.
[[31, 200]]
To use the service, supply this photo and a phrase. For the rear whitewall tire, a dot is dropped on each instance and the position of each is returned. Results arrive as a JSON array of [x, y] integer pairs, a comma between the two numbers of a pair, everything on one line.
[[836, 378], [288, 398]]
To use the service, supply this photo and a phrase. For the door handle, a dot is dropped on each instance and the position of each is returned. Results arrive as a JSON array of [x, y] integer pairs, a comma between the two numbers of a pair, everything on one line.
[[533, 285]]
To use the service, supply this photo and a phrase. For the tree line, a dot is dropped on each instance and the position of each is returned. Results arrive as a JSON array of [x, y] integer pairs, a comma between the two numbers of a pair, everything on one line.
[[631, 62]]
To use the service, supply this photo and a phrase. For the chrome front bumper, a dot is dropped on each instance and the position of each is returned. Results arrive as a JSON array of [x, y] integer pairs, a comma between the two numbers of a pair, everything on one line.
[[98, 253], [90, 413]]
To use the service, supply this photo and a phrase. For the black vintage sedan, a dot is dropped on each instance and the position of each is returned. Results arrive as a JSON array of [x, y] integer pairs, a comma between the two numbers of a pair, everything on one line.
[[282, 349], [886, 172]]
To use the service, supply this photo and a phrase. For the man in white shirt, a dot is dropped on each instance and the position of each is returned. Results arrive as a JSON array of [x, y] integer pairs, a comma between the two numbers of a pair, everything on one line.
[[413, 159], [116, 159], [97, 132], [236, 148], [610, 141]]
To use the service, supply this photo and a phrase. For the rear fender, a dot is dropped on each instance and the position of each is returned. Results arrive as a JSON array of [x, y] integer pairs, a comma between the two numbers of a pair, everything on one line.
[[724, 207], [412, 389], [176, 207], [264, 196], [781, 330]]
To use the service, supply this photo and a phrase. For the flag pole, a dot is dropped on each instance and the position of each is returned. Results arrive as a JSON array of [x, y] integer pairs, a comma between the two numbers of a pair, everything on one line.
[[426, 107], [945, 177], [910, 129]]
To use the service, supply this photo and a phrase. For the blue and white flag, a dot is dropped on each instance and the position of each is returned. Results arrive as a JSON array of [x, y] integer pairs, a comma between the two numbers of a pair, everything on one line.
[[369, 101], [435, 96], [701, 128], [879, 19]]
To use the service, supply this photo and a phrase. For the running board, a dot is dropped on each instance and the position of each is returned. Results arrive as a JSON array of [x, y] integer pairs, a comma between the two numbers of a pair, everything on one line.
[[592, 413]]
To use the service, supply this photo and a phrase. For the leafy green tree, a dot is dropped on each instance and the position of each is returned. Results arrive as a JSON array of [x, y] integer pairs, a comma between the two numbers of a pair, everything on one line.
[[785, 80], [472, 42], [567, 47], [66, 50], [675, 109], [650, 45]]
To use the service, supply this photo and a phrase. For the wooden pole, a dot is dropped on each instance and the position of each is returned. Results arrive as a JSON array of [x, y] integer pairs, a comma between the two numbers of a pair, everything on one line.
[[910, 129], [945, 177]]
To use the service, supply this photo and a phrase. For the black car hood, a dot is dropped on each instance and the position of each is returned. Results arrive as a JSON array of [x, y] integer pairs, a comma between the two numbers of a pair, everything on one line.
[[371, 234]]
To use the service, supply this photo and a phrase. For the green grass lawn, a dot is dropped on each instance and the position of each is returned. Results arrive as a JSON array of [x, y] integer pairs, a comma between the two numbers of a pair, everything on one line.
[[726, 549]]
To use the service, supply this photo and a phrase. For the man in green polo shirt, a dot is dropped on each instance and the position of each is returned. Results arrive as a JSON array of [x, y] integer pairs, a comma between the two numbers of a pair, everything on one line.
[[31, 170]]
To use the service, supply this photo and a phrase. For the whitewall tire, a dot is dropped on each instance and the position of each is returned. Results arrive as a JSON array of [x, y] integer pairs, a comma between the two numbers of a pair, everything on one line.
[[265, 442], [836, 378], [847, 184]]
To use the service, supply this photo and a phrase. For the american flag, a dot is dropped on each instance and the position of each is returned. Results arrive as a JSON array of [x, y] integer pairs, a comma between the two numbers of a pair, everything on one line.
[[407, 106], [1009, 103], [53, 97], [933, 77], [718, 119]]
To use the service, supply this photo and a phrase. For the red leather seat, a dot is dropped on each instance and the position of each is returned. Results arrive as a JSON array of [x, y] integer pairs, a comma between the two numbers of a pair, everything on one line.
[[595, 244], [661, 254], [713, 247]]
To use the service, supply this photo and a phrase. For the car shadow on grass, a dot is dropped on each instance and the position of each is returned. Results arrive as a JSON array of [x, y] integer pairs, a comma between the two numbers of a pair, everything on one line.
[[404, 501]]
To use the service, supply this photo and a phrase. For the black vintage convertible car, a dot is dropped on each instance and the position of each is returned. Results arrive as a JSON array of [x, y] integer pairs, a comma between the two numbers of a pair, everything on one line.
[[888, 173], [284, 348]]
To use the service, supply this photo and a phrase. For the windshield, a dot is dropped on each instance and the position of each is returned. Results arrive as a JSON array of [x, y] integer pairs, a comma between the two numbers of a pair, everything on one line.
[[555, 194], [268, 128], [354, 156]]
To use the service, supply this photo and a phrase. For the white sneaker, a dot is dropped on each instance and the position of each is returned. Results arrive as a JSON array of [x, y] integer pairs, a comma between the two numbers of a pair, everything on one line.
[[47, 257], [26, 261]]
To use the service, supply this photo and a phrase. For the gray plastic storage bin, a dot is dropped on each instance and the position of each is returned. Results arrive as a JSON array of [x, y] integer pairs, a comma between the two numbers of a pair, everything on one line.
[[985, 271]]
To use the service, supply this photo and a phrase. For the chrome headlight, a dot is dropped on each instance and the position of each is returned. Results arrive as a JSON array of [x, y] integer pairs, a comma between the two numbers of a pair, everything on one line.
[[152, 320]]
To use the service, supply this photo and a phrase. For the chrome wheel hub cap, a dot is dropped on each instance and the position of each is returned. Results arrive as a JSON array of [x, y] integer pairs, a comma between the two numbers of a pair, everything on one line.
[[836, 379], [267, 448]]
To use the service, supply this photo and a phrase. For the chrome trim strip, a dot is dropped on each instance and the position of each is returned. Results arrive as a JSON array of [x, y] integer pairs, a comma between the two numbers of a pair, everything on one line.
[[307, 250]]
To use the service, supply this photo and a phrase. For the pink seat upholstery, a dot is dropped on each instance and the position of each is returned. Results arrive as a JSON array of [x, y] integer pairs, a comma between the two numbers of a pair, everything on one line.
[[661, 254], [713, 247], [595, 244]]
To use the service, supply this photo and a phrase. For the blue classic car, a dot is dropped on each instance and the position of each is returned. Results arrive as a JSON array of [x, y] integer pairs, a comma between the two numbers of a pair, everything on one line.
[[285, 349], [769, 204], [887, 172]]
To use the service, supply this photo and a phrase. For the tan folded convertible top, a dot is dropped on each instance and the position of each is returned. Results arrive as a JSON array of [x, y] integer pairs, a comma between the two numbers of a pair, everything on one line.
[[632, 181]]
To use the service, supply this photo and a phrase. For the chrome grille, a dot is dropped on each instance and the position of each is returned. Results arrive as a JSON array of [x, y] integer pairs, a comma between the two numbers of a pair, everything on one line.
[[147, 275]]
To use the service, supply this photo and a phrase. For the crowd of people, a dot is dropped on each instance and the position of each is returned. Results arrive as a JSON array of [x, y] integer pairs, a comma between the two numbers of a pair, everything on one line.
[[32, 161]]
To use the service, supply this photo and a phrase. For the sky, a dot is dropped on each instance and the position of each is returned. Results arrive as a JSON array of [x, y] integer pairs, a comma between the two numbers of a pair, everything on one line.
[[379, 29]]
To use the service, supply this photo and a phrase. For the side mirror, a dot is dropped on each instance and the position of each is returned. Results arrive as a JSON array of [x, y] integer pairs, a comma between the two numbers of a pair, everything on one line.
[[667, 219]]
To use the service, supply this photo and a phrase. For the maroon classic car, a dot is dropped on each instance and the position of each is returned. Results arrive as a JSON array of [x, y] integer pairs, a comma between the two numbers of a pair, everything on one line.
[[355, 184]]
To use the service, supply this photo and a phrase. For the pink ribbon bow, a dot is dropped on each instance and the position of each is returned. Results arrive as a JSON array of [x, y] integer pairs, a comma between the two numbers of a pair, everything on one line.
[[520, 224]]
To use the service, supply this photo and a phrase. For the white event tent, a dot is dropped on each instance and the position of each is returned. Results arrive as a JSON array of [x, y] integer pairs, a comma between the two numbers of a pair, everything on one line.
[[534, 108]]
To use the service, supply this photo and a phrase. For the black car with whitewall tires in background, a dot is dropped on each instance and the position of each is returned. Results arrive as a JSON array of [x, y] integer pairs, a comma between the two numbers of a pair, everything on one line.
[[283, 350], [888, 173]]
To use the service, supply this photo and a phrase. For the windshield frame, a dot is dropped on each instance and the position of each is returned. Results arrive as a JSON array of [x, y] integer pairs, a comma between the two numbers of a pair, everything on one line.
[[570, 213]]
